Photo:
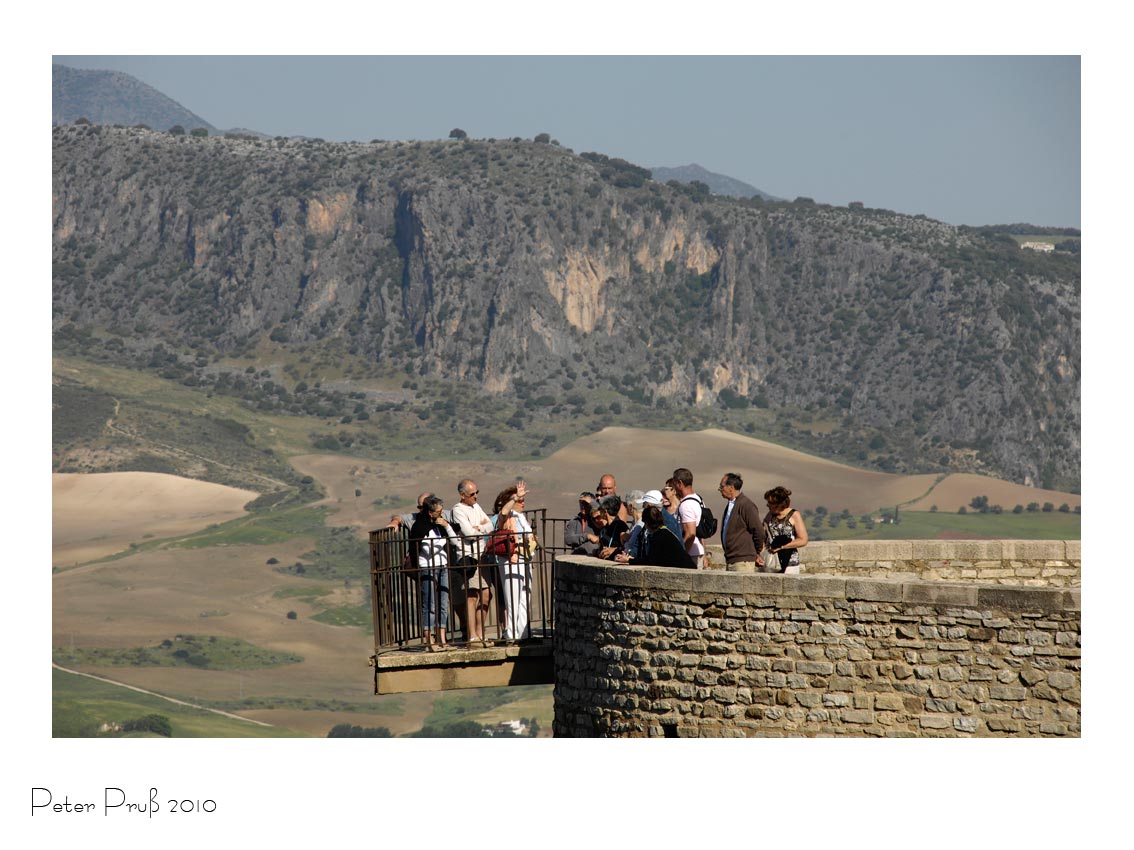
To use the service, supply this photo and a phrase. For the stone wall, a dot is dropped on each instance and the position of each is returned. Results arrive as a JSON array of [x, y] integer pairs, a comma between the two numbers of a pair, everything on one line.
[[680, 653], [1030, 563]]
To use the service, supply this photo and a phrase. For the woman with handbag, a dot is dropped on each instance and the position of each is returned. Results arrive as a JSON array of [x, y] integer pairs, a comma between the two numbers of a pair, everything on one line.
[[429, 541], [784, 530], [514, 544]]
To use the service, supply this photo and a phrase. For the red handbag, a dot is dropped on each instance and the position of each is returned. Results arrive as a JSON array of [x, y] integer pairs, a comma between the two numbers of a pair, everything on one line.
[[501, 543]]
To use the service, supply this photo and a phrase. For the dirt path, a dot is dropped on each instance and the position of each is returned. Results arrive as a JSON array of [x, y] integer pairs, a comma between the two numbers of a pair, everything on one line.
[[160, 696]]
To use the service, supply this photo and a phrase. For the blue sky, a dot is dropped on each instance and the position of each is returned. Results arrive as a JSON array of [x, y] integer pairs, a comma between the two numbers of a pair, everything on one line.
[[965, 139]]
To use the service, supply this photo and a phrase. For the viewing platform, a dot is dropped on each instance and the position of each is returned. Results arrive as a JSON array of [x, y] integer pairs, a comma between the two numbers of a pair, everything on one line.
[[891, 638]]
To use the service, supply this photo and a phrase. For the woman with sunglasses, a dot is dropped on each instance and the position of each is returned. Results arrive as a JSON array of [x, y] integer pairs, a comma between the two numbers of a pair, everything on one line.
[[514, 572]]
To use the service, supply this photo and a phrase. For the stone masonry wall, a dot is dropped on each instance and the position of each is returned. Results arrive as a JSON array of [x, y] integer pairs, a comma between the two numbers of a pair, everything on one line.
[[1030, 563], [680, 653]]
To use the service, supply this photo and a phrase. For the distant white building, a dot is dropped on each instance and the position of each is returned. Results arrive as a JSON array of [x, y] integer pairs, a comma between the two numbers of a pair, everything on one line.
[[516, 727], [1039, 246]]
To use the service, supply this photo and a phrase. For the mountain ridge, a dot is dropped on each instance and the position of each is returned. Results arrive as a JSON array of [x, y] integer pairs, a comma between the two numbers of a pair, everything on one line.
[[548, 279], [719, 184], [114, 97]]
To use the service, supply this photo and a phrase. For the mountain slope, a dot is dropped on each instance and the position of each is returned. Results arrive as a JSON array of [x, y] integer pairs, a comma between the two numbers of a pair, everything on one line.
[[111, 97], [554, 279], [719, 184]]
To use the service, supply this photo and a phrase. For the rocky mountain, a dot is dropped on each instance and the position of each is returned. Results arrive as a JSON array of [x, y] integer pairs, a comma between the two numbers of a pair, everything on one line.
[[719, 184], [111, 97], [521, 269]]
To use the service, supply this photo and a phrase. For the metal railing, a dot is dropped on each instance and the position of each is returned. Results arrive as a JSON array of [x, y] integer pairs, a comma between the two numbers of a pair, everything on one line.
[[405, 598]]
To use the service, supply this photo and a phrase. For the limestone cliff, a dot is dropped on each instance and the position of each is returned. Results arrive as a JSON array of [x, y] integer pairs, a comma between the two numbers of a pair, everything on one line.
[[486, 261]]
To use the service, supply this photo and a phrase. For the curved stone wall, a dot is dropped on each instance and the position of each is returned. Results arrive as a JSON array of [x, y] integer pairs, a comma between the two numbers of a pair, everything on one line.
[[659, 652]]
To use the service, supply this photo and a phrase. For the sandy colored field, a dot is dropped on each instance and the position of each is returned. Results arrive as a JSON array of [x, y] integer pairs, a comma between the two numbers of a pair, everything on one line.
[[226, 591], [958, 490], [643, 459], [639, 459], [99, 514]]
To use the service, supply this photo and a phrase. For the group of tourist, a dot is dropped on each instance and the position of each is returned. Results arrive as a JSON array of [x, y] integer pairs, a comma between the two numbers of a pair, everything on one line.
[[667, 527], [466, 554], [471, 556]]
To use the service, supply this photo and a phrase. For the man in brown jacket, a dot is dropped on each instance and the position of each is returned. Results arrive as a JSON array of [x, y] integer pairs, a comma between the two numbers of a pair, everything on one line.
[[742, 529]]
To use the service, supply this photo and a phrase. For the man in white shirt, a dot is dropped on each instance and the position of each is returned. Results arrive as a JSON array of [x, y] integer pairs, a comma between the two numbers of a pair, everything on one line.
[[474, 523], [689, 515]]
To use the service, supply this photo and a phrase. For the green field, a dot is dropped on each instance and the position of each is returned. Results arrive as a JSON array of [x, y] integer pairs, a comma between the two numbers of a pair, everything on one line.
[[925, 525], [80, 706], [211, 652]]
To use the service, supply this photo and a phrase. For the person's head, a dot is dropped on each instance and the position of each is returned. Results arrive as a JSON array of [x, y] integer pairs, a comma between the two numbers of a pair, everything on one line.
[[611, 505], [421, 499], [669, 496], [652, 517], [606, 486], [634, 502], [432, 506], [599, 519], [468, 491], [586, 499], [731, 485], [778, 498], [505, 496], [652, 497], [682, 481]]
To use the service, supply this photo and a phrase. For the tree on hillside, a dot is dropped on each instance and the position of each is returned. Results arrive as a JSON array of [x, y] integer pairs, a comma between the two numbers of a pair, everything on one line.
[[1033, 507], [543, 138], [458, 133], [1048, 507]]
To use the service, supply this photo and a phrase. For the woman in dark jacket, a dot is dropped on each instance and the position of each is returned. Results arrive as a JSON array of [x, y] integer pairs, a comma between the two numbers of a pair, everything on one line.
[[611, 528], [429, 539]]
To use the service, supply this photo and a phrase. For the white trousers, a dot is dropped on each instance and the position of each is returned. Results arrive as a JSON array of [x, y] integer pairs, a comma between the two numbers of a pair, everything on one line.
[[515, 586]]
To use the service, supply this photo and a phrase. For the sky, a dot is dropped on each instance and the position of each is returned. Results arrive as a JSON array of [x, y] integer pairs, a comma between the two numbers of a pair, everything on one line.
[[962, 139]]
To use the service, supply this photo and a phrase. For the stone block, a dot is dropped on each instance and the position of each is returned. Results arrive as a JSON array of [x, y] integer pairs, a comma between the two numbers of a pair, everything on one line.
[[888, 702], [874, 590], [1061, 681], [1044, 600], [956, 550], [965, 724], [1074, 550], [819, 668], [1034, 550], [872, 551], [666, 578], [1000, 724], [939, 593], [823, 587], [719, 581], [1007, 693], [934, 721]]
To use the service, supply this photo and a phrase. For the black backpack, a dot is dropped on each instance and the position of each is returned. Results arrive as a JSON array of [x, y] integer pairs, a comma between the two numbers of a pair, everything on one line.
[[707, 527]]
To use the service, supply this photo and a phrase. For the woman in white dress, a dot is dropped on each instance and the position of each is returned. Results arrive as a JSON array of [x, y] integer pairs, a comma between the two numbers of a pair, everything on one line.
[[514, 572]]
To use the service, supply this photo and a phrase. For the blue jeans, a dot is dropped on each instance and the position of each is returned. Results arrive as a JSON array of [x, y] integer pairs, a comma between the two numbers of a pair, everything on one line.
[[434, 596]]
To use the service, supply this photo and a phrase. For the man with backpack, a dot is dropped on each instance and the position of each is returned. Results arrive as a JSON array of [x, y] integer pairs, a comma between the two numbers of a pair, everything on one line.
[[694, 517]]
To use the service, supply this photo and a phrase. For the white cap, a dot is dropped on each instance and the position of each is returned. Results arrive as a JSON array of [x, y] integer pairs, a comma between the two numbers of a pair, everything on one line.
[[652, 497]]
